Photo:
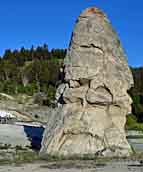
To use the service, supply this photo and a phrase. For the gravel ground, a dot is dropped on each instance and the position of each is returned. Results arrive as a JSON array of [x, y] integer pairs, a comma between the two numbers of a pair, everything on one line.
[[85, 166]]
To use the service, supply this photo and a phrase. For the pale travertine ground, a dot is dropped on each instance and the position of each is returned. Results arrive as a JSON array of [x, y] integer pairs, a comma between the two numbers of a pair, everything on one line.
[[76, 167]]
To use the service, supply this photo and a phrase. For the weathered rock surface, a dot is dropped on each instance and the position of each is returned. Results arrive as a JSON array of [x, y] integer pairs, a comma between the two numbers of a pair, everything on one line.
[[93, 100]]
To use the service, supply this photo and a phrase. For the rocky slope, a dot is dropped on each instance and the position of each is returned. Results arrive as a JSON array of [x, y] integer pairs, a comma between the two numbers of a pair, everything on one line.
[[24, 108], [93, 101]]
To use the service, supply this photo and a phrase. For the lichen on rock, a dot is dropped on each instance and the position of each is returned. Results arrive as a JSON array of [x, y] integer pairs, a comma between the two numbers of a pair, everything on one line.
[[92, 115]]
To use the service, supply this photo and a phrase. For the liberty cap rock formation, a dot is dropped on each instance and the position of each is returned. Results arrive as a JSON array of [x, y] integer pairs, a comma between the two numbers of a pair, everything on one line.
[[93, 101]]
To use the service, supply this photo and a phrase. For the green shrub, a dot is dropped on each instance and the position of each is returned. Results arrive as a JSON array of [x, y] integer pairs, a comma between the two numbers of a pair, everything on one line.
[[8, 87], [132, 123], [30, 89]]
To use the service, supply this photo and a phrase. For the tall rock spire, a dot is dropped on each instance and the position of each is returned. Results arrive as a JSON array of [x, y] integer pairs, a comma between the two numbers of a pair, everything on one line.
[[92, 114]]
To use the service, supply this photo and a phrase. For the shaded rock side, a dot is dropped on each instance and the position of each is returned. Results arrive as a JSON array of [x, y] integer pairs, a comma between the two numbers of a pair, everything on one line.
[[93, 101]]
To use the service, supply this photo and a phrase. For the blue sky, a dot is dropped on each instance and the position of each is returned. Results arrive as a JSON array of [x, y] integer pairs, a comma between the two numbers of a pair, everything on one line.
[[34, 22]]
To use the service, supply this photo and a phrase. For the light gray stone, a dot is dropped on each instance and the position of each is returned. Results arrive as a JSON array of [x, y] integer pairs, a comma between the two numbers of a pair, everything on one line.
[[72, 95], [60, 91], [74, 84], [100, 95], [91, 120]]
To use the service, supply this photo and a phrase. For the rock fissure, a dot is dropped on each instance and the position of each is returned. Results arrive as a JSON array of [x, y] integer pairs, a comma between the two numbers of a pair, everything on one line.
[[91, 46]]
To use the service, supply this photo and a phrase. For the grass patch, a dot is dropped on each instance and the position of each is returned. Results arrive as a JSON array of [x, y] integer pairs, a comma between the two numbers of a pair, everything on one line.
[[25, 157], [48, 157], [132, 123], [5, 146], [135, 137], [18, 157], [22, 157], [86, 157]]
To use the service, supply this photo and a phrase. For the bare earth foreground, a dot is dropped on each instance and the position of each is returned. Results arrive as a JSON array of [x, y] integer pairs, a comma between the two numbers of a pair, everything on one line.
[[84, 166]]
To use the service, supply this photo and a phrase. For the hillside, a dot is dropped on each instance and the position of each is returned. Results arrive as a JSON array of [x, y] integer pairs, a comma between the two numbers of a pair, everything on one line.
[[36, 72], [28, 71]]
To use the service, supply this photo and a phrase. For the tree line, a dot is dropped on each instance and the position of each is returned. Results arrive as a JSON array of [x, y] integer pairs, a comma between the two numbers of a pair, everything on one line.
[[136, 93], [31, 70], [37, 69]]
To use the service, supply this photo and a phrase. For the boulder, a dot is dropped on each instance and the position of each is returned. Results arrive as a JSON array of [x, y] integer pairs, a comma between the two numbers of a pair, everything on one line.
[[92, 115], [100, 95]]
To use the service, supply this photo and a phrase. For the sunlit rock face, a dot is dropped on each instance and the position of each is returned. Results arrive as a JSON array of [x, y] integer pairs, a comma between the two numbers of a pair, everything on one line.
[[93, 101]]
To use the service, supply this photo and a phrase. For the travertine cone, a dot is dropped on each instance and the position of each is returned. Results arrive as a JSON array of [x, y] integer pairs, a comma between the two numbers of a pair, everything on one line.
[[93, 101]]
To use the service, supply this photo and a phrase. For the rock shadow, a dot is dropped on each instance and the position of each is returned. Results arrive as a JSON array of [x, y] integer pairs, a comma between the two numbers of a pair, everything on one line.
[[35, 135]]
